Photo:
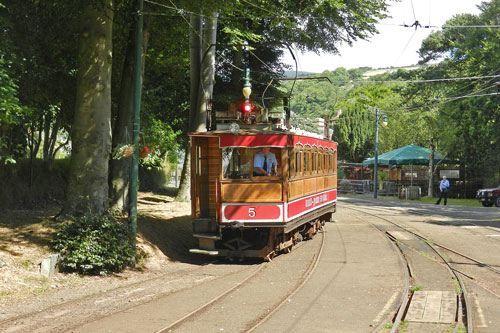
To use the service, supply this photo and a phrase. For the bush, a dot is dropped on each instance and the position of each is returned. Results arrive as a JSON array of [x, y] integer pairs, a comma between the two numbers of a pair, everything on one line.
[[94, 244]]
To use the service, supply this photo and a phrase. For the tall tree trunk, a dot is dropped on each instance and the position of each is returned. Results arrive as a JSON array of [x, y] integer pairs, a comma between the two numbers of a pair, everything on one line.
[[431, 171], [207, 70], [46, 135], [198, 112], [122, 132], [236, 78], [195, 63], [91, 130], [183, 194]]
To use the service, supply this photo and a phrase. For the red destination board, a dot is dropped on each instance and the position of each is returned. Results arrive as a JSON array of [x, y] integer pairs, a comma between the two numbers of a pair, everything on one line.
[[304, 205]]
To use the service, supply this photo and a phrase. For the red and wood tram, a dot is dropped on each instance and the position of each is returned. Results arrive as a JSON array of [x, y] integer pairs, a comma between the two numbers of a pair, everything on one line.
[[238, 213]]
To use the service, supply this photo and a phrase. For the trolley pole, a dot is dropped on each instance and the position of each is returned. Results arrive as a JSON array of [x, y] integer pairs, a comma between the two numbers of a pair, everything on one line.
[[134, 172], [375, 172]]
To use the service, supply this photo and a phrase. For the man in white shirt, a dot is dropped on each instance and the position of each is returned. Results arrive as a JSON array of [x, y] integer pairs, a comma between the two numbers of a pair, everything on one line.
[[263, 162]]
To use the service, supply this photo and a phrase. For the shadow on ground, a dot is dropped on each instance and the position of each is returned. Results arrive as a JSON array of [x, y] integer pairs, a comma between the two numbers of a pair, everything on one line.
[[26, 228]]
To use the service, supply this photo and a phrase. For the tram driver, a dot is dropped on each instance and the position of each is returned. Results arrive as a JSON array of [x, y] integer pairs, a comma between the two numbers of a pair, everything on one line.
[[265, 161]]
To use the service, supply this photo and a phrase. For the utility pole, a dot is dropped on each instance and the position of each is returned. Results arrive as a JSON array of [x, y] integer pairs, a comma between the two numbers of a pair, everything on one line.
[[375, 172], [134, 172]]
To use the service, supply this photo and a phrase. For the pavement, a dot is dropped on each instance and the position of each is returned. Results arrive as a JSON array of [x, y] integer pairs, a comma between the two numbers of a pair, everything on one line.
[[357, 284]]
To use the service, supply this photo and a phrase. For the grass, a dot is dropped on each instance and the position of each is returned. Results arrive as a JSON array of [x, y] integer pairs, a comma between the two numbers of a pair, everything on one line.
[[458, 290], [30, 279], [403, 326], [456, 202], [27, 263], [415, 288], [425, 254]]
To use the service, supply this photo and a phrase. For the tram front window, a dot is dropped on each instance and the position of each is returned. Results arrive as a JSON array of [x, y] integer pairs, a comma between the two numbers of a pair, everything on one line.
[[265, 163], [236, 163]]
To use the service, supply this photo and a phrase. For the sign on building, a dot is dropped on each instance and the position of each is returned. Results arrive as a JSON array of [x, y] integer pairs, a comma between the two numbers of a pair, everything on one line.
[[449, 174]]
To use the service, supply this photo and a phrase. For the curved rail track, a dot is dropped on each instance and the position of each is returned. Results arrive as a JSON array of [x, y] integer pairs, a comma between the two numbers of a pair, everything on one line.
[[464, 307], [269, 312], [60, 307], [305, 277]]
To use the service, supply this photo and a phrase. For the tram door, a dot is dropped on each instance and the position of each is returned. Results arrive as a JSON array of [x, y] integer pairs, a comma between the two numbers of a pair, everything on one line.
[[200, 174]]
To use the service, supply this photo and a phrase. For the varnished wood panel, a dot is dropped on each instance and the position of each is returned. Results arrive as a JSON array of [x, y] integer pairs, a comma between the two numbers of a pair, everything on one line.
[[214, 170], [285, 172], [332, 181], [309, 185], [260, 192], [320, 183], [296, 189]]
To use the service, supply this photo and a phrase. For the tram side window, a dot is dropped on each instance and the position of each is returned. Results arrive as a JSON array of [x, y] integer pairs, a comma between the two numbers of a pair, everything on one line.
[[333, 167], [326, 165], [298, 163], [313, 162], [307, 164], [320, 163], [236, 163]]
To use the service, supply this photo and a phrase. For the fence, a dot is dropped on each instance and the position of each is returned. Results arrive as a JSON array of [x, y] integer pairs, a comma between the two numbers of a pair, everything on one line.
[[366, 186]]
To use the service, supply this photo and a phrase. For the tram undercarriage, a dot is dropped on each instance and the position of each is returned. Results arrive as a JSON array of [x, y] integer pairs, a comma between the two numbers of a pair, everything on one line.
[[234, 240]]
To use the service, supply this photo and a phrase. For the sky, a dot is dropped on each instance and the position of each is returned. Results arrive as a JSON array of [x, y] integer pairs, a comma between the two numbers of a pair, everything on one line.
[[395, 46]]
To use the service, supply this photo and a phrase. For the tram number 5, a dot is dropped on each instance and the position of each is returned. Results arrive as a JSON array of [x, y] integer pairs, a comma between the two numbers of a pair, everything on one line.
[[251, 212]]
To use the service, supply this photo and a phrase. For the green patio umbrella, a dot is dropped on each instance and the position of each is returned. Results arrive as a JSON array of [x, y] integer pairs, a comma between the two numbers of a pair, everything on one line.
[[410, 154]]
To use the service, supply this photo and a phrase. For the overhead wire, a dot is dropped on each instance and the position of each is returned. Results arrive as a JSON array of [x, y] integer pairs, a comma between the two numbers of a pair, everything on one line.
[[192, 28], [406, 46], [181, 12], [420, 81], [413, 9], [420, 107], [261, 8]]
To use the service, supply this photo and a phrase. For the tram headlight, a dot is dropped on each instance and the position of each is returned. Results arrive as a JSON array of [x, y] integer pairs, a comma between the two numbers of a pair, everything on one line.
[[235, 128]]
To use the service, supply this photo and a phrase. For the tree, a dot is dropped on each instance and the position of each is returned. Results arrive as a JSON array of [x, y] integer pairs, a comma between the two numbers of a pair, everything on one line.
[[38, 42], [11, 113], [91, 130], [202, 59], [469, 124], [119, 175], [355, 130], [311, 26]]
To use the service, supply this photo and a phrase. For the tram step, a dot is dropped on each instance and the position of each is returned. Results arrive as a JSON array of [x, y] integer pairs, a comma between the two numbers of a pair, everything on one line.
[[206, 252], [207, 235]]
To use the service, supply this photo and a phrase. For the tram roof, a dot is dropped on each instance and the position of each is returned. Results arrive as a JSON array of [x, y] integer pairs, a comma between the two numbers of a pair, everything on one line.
[[265, 138]]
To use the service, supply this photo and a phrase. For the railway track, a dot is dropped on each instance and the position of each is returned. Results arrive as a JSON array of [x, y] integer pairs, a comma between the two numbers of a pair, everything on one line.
[[267, 312], [79, 314], [464, 310], [140, 291], [478, 263]]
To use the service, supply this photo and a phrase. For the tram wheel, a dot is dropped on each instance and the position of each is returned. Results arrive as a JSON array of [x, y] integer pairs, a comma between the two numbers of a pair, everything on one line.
[[269, 257]]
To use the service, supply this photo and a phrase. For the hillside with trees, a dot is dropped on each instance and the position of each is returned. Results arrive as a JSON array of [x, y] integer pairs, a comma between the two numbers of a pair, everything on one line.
[[452, 98]]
